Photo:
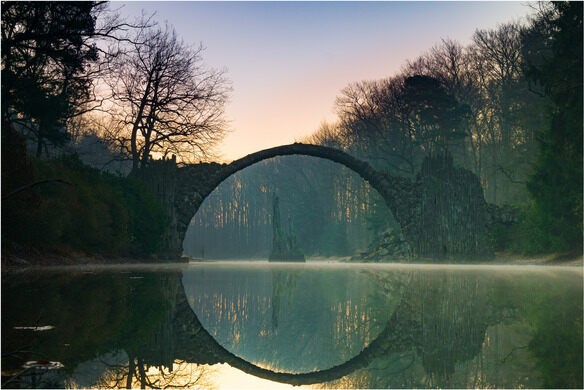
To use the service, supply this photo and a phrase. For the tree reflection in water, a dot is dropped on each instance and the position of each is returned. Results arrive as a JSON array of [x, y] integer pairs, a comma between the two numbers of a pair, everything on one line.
[[484, 330], [393, 328], [136, 374]]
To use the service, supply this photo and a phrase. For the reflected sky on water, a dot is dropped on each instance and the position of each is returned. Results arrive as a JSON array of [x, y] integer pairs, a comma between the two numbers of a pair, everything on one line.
[[253, 324]]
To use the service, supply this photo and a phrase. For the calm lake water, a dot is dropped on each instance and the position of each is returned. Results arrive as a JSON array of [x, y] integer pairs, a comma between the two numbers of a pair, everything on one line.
[[317, 325]]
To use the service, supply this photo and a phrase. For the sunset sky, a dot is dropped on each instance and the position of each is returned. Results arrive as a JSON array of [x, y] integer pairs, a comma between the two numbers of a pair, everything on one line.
[[288, 61]]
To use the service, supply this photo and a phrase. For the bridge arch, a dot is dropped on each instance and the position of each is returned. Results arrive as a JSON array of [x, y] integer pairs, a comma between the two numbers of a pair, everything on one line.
[[442, 211], [196, 182]]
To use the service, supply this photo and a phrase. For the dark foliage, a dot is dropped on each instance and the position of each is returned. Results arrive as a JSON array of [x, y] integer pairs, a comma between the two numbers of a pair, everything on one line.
[[438, 116], [44, 58], [94, 314], [75, 207], [557, 340], [553, 51]]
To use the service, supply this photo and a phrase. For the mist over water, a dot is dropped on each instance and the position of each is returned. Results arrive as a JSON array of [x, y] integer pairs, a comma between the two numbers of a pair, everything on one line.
[[345, 325], [454, 324]]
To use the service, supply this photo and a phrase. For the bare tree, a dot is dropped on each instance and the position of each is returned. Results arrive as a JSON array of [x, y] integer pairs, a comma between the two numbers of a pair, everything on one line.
[[53, 53], [498, 60], [487, 77], [328, 134], [450, 63], [165, 101], [508, 136]]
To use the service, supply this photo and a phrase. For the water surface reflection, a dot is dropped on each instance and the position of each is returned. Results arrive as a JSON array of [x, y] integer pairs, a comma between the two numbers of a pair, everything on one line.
[[323, 325]]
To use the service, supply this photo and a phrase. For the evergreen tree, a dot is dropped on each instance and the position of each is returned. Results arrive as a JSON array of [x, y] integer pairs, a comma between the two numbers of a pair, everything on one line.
[[553, 52], [45, 52]]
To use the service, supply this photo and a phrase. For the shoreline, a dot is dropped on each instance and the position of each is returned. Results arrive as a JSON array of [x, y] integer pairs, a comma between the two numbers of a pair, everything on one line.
[[22, 261], [34, 259], [549, 259]]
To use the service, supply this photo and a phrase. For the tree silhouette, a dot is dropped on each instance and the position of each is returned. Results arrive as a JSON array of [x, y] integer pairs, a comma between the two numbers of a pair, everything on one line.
[[553, 51], [168, 102], [44, 56], [436, 117]]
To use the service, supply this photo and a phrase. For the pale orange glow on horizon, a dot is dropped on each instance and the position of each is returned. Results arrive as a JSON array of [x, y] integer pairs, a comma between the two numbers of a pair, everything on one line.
[[195, 376]]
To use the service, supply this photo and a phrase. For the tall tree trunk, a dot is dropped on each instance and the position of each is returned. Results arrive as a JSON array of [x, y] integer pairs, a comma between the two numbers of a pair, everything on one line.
[[131, 370], [40, 140], [136, 126]]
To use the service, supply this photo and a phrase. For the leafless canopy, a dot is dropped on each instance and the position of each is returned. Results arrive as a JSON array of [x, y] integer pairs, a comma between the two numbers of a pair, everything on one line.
[[164, 100]]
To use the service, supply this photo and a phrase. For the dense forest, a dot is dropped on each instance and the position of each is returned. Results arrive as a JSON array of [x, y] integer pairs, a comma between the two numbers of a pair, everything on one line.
[[499, 106], [89, 99]]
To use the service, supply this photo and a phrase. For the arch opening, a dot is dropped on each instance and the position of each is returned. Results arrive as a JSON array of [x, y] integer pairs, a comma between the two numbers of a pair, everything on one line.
[[196, 184], [329, 209]]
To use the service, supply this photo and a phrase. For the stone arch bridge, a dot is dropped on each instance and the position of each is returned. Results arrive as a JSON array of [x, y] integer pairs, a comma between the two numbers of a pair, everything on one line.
[[442, 212]]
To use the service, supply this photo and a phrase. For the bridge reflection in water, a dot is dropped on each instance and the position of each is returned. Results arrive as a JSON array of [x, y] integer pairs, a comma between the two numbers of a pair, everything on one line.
[[332, 325], [409, 327], [443, 319]]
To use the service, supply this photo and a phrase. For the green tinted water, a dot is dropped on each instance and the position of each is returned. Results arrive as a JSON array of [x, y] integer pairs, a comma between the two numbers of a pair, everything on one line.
[[337, 325]]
